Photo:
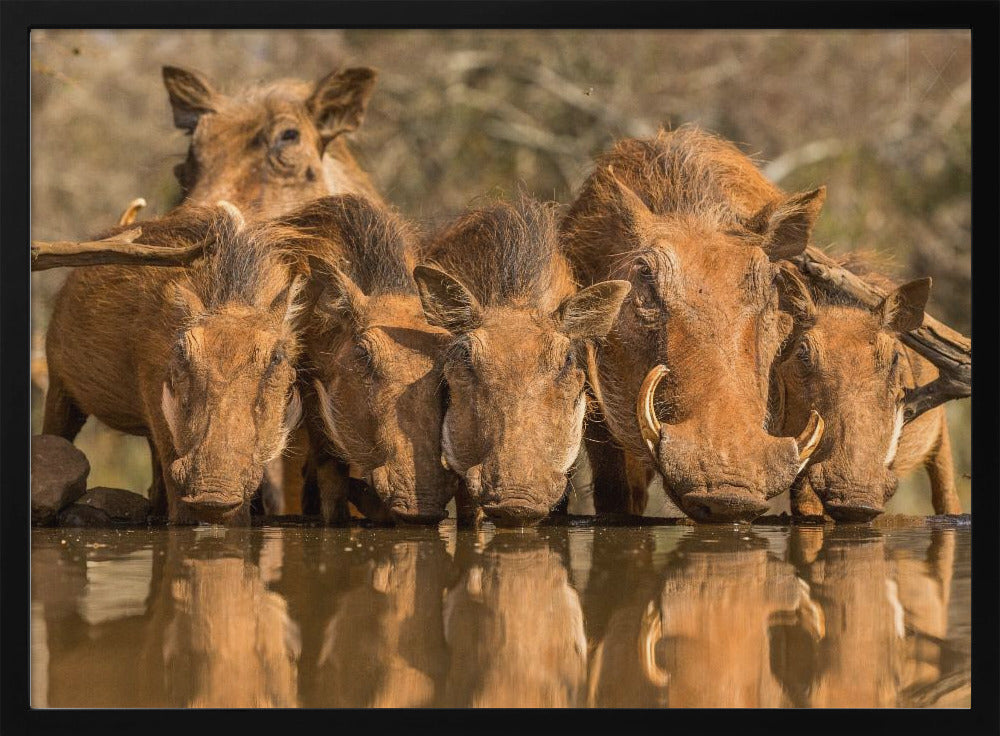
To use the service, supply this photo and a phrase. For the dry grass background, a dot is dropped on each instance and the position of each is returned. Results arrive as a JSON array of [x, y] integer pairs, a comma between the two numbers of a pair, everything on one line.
[[882, 118]]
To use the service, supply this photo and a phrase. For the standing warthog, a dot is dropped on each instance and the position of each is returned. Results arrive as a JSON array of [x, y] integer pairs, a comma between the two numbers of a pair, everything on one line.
[[373, 364], [696, 229], [846, 361], [502, 287], [200, 360], [273, 147]]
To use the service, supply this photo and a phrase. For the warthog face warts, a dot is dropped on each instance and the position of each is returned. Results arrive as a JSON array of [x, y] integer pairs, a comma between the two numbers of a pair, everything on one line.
[[515, 379], [704, 308], [847, 363], [228, 397], [263, 149]]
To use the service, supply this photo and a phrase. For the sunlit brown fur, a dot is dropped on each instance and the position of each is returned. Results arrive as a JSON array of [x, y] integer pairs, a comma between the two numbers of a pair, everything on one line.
[[198, 360], [377, 362], [502, 287], [847, 362], [694, 226]]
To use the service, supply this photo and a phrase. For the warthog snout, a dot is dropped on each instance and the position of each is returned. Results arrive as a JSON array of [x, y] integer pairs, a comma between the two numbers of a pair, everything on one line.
[[399, 493], [718, 476], [513, 505]]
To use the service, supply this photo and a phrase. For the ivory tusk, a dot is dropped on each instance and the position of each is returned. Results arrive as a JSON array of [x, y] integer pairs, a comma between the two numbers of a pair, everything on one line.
[[650, 632], [128, 216], [807, 442], [649, 425]]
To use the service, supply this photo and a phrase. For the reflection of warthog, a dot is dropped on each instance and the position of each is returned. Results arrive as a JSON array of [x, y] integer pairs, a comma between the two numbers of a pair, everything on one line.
[[371, 366], [269, 148], [514, 628], [383, 645], [200, 361], [886, 619], [696, 229], [211, 635], [705, 637], [502, 287], [846, 361]]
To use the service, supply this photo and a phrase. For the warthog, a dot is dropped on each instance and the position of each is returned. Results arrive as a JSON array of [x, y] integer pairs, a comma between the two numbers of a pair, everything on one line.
[[497, 280], [270, 148], [696, 229], [373, 364], [846, 361], [703, 632], [503, 654], [200, 360]]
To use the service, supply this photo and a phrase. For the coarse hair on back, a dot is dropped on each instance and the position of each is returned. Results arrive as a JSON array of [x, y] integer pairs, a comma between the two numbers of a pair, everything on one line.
[[369, 242], [505, 253]]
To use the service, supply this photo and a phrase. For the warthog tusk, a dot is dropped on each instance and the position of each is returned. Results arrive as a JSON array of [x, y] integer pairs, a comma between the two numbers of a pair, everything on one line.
[[128, 216], [649, 425], [650, 632], [807, 442], [233, 211]]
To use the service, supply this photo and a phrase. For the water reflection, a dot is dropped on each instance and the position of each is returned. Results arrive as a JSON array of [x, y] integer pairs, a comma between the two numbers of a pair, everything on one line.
[[648, 617]]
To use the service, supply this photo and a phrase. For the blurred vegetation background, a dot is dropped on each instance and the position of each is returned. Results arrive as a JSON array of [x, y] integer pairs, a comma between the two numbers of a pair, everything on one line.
[[882, 118]]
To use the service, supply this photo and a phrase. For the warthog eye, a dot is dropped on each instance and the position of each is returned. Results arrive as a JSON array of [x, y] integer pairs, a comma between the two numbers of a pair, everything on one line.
[[804, 354], [276, 359], [567, 365], [289, 135]]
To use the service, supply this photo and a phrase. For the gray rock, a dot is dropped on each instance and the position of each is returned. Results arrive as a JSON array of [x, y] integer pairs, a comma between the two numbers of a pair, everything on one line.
[[79, 514], [58, 476], [123, 507]]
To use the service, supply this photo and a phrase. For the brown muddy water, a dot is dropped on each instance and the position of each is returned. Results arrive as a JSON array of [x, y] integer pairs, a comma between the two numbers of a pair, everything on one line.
[[572, 615]]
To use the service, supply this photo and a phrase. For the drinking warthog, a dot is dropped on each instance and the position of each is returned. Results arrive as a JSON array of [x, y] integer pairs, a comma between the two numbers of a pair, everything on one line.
[[200, 360], [498, 281], [371, 366], [695, 228], [846, 361], [270, 148]]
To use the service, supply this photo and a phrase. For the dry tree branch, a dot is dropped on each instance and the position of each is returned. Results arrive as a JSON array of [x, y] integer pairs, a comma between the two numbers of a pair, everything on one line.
[[118, 249]]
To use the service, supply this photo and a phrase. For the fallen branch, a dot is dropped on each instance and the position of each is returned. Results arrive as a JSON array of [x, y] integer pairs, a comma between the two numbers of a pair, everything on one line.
[[119, 250], [950, 351]]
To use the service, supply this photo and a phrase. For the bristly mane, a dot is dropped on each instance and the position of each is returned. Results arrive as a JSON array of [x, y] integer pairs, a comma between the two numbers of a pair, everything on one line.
[[686, 172], [504, 253], [370, 243], [240, 266]]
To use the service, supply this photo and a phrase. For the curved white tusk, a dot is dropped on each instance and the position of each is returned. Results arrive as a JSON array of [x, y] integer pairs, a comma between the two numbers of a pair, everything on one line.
[[233, 211], [649, 425], [650, 632], [128, 216], [808, 440]]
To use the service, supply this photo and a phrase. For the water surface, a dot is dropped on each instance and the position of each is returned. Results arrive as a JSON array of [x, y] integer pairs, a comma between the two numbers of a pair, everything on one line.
[[657, 616]]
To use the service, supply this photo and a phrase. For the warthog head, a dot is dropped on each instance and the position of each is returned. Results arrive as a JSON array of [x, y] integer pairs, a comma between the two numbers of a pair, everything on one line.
[[263, 149], [374, 359], [228, 395], [846, 362], [696, 339], [515, 365]]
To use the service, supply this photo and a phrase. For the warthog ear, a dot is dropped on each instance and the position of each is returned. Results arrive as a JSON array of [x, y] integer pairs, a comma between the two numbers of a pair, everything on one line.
[[903, 309], [185, 301], [284, 306], [794, 297], [339, 101], [337, 297], [786, 227], [631, 209], [591, 312], [191, 96], [446, 302]]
